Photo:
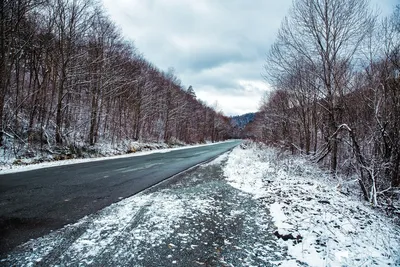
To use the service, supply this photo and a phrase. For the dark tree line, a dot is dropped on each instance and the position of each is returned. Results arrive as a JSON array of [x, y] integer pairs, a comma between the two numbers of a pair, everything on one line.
[[68, 78], [335, 69]]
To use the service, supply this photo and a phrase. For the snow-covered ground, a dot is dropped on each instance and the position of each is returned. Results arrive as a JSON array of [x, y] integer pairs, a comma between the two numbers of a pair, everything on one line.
[[321, 225], [250, 207], [194, 219], [137, 149]]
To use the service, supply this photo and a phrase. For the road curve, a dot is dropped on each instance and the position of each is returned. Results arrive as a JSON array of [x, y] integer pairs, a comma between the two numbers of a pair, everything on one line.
[[35, 202]]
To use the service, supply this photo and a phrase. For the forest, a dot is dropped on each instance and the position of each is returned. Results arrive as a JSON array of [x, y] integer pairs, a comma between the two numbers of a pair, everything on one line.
[[335, 70], [69, 79]]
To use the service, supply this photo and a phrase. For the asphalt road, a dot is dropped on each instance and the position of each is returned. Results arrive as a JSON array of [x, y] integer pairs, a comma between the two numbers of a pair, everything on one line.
[[35, 202], [196, 218]]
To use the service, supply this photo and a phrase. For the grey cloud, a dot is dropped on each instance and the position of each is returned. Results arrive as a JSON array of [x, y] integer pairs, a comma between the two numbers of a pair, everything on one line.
[[212, 44], [198, 61]]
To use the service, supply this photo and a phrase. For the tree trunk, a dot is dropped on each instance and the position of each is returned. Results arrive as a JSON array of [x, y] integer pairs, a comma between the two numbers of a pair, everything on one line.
[[3, 66], [59, 109]]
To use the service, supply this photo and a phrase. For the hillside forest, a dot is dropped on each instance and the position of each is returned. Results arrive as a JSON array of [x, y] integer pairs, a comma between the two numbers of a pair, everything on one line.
[[68, 79], [335, 70]]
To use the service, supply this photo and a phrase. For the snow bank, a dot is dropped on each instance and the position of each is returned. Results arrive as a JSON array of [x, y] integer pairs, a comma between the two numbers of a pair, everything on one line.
[[246, 171], [319, 225]]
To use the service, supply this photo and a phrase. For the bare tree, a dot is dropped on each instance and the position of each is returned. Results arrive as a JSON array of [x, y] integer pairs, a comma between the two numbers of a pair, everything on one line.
[[326, 34], [69, 79]]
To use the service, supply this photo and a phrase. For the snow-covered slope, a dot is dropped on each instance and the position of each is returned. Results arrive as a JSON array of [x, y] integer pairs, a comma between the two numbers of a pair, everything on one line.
[[319, 225]]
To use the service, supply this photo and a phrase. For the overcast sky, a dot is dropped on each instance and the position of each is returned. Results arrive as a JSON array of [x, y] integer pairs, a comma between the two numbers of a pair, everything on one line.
[[217, 46]]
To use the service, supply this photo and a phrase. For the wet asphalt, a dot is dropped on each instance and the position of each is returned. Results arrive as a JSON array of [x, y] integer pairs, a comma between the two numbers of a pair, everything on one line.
[[34, 203]]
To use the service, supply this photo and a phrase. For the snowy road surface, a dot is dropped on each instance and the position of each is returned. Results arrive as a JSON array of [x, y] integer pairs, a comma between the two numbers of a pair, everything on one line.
[[194, 219], [34, 202], [251, 207]]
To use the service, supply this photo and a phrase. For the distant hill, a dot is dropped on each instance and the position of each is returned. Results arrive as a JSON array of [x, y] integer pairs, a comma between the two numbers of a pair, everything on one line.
[[242, 120]]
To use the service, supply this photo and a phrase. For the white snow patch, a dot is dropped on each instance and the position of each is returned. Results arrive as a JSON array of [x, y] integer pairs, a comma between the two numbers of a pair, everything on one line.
[[246, 172], [280, 218], [335, 229]]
